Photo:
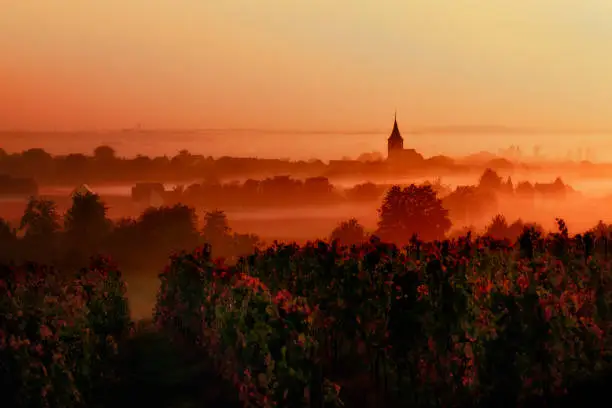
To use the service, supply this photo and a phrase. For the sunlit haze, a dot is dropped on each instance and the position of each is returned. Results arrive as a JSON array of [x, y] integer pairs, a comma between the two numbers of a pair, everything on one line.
[[330, 66], [305, 203]]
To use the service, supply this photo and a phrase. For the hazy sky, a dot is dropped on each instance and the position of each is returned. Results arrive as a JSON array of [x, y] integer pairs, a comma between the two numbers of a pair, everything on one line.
[[305, 64]]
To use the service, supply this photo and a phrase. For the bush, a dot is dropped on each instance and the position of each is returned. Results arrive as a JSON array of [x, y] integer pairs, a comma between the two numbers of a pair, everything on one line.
[[260, 340], [55, 331]]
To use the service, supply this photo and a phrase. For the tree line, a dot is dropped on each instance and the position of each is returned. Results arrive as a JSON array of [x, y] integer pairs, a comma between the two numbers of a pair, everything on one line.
[[104, 165], [21, 174], [70, 240], [277, 191], [44, 236], [463, 201]]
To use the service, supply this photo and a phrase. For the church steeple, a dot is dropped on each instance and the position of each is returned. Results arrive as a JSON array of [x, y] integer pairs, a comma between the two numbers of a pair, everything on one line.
[[395, 133], [395, 142]]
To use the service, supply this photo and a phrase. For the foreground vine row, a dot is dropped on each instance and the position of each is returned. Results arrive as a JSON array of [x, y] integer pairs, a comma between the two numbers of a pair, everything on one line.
[[58, 333], [474, 322], [260, 340]]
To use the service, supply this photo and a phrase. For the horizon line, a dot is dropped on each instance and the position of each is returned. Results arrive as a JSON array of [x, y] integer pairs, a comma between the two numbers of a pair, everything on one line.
[[419, 130]]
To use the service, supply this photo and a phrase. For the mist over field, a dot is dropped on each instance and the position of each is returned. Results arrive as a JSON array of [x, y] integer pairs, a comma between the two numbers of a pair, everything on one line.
[[582, 209]]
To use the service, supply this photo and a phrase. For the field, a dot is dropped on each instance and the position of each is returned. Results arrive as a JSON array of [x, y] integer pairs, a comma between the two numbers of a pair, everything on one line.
[[456, 324], [469, 322]]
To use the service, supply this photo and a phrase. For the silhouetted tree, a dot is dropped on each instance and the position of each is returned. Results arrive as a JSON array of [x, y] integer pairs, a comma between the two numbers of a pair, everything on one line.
[[498, 228], [225, 243], [40, 218], [86, 226], [75, 167], [40, 223], [412, 210], [371, 157], [7, 233], [126, 246], [364, 192], [8, 241], [182, 161], [18, 186], [349, 232], [105, 154], [170, 228], [469, 203], [517, 227], [216, 231], [318, 188], [525, 189], [37, 162], [215, 225], [146, 242], [602, 230], [556, 189], [438, 187], [490, 180]]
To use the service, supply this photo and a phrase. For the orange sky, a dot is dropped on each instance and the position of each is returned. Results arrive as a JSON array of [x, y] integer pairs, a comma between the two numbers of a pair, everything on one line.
[[305, 64]]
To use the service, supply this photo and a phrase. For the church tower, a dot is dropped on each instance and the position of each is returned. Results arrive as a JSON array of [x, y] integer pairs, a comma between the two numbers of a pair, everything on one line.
[[395, 142]]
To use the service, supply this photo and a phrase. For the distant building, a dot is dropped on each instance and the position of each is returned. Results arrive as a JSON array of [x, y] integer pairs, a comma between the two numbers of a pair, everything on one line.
[[395, 147]]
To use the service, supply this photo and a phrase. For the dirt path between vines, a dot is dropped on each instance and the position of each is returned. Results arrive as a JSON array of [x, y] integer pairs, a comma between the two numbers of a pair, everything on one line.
[[156, 373]]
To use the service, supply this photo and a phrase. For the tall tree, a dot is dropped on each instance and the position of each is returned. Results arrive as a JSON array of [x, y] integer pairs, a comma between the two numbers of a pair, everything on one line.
[[349, 232], [225, 243], [215, 225], [217, 231], [8, 241], [168, 229], [409, 211], [40, 218], [498, 228], [490, 180], [37, 163], [86, 225], [104, 154], [40, 224]]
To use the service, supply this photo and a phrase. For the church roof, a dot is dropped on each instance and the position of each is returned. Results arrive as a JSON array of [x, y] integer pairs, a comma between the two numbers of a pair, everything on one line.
[[395, 133]]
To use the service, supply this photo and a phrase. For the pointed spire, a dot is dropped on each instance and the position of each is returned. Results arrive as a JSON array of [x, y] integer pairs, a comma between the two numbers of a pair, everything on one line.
[[395, 133], [395, 128], [395, 120]]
